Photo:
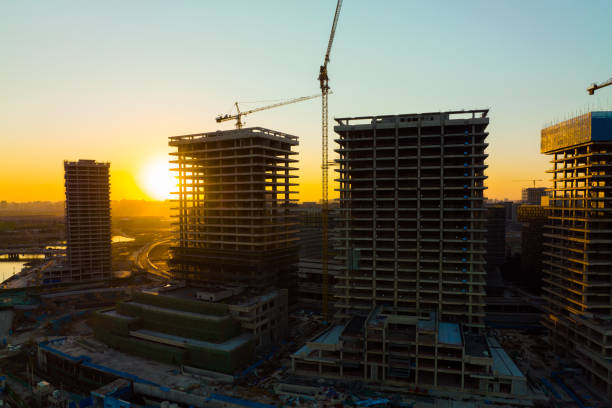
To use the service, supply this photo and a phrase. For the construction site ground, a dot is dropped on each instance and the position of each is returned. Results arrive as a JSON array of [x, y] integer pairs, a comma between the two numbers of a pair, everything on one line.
[[559, 380]]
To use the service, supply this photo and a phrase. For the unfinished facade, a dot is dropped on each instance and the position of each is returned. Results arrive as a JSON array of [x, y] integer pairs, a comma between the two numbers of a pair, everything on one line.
[[533, 195], [310, 268], [533, 218], [496, 238], [234, 219], [88, 223], [577, 264], [410, 289], [412, 214]]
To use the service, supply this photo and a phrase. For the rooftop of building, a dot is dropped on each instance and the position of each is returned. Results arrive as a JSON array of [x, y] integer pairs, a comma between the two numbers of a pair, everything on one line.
[[354, 326], [329, 338], [449, 333], [502, 363], [177, 312], [229, 345], [113, 388], [239, 297], [476, 345], [86, 163], [233, 134], [589, 127], [97, 355], [410, 117]]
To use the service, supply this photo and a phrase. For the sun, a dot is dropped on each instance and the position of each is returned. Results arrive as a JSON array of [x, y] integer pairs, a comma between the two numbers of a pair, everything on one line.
[[156, 179]]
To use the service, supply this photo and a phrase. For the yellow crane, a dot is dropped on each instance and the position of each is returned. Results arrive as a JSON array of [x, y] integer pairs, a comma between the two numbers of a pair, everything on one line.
[[591, 89], [238, 117], [324, 83]]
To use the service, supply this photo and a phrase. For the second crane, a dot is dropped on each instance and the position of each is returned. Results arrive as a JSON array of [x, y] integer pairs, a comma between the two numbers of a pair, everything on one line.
[[324, 83]]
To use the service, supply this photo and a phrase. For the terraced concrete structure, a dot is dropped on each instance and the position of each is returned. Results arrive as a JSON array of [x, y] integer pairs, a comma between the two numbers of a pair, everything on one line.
[[176, 331], [413, 216], [411, 354], [88, 222], [577, 262], [234, 219]]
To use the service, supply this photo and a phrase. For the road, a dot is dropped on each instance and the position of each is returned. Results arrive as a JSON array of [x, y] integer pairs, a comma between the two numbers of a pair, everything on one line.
[[142, 261]]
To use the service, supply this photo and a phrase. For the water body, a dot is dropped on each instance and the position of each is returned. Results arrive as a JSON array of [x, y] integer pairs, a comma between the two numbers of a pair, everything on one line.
[[23, 257], [121, 238], [8, 269]]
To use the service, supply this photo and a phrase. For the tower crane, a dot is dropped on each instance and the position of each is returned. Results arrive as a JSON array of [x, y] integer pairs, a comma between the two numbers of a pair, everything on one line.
[[591, 89], [324, 83], [534, 181], [239, 115]]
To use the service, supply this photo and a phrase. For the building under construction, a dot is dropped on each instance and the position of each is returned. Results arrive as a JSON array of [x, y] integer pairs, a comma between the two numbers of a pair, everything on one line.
[[410, 292], [88, 223], [577, 264], [533, 218], [234, 218], [413, 215], [496, 238], [236, 232], [310, 268], [533, 195]]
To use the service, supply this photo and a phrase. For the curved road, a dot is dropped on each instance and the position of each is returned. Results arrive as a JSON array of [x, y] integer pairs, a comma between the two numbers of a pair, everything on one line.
[[142, 258]]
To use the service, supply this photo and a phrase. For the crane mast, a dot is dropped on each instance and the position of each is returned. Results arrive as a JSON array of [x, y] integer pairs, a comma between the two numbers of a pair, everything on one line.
[[324, 83]]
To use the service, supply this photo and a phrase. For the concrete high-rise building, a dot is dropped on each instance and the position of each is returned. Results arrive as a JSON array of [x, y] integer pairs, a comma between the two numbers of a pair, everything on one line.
[[533, 218], [237, 241], [412, 206], [88, 222], [234, 208], [578, 240], [533, 195], [411, 285], [310, 269], [496, 236]]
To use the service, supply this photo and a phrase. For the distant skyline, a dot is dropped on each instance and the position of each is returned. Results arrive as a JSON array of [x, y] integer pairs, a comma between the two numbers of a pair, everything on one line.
[[112, 80]]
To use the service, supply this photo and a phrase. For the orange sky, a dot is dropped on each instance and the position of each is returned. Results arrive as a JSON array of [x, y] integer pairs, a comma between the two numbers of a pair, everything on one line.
[[127, 180]]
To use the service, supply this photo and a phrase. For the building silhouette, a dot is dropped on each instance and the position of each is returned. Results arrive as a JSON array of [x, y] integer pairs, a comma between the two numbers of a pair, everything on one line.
[[533, 218], [234, 208], [533, 195], [237, 242], [88, 223], [496, 236]]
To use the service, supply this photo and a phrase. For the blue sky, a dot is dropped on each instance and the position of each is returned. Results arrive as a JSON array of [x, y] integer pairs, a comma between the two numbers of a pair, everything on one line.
[[112, 80]]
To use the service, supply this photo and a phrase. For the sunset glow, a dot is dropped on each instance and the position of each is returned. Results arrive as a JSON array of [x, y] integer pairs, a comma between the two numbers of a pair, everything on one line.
[[156, 180]]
